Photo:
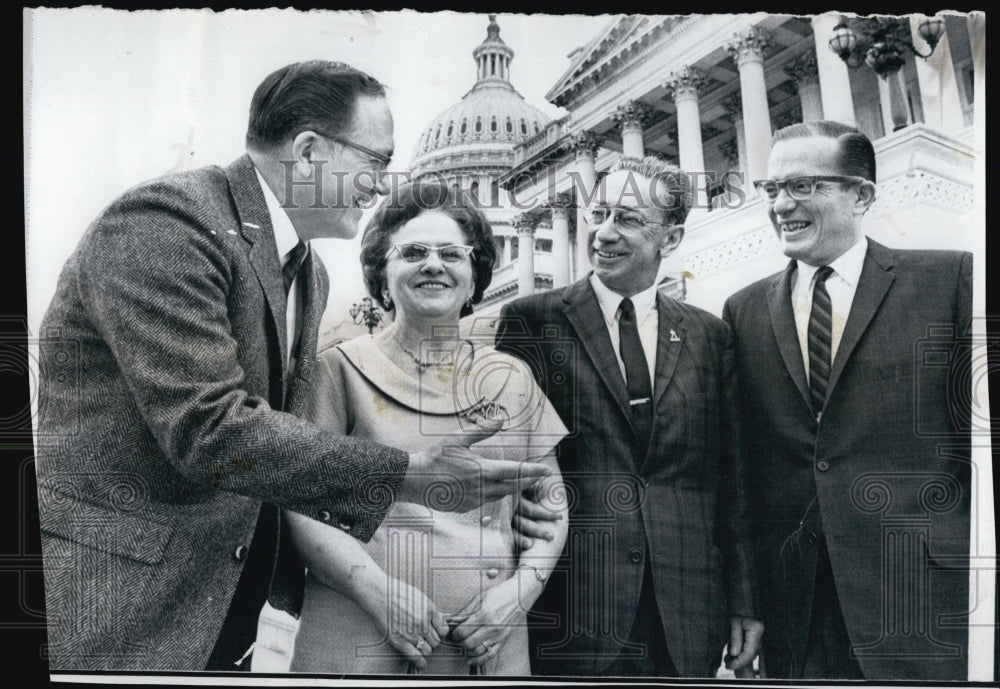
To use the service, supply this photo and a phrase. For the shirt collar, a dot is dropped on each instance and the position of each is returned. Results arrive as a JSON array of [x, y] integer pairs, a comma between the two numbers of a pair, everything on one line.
[[644, 301], [285, 236], [847, 266]]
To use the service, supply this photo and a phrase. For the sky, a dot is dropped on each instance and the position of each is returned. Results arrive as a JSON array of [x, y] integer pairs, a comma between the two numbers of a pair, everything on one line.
[[113, 98]]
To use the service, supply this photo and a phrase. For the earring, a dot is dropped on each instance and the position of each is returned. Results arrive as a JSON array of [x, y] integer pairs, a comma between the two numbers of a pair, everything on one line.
[[386, 300], [468, 303]]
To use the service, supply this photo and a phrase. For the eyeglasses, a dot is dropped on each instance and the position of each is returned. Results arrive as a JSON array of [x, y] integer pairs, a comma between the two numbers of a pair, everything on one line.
[[451, 254], [624, 218], [799, 188], [380, 161]]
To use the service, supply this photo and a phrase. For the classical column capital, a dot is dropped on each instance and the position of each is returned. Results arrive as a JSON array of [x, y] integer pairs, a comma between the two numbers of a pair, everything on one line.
[[733, 103], [525, 223], [803, 69], [748, 45], [562, 201], [633, 113], [585, 143], [684, 83]]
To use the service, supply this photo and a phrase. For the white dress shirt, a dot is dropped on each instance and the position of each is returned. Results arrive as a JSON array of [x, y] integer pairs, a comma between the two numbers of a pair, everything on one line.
[[285, 237], [646, 317], [841, 285]]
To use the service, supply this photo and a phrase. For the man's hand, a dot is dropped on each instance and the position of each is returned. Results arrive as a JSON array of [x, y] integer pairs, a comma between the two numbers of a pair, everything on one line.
[[744, 644], [530, 519], [451, 478]]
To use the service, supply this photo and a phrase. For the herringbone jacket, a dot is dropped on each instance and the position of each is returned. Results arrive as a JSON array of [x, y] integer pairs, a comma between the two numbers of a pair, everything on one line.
[[160, 432]]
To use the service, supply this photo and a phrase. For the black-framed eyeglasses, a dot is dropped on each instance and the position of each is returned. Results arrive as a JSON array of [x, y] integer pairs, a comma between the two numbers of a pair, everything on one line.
[[799, 188], [625, 218], [415, 252], [379, 160]]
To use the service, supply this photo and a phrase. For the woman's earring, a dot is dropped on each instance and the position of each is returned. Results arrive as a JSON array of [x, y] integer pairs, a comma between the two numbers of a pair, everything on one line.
[[468, 303], [386, 300]]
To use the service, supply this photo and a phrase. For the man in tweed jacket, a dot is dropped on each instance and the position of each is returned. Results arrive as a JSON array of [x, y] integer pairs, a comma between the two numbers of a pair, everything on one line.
[[176, 346]]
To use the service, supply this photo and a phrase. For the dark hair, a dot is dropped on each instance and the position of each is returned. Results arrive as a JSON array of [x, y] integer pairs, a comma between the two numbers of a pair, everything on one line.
[[671, 179], [317, 94], [857, 155], [409, 201]]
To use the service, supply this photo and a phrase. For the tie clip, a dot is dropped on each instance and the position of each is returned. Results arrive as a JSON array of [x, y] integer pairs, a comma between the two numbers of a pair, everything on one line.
[[644, 400]]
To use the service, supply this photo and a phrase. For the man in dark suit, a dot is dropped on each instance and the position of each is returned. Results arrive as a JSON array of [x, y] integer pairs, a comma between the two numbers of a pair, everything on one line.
[[183, 330], [656, 575], [855, 431]]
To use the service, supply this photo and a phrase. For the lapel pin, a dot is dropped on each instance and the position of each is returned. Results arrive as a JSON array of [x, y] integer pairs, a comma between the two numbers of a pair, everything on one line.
[[673, 336]]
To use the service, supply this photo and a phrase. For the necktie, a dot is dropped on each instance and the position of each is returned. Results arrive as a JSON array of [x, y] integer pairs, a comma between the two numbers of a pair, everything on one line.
[[292, 265], [820, 340], [640, 391]]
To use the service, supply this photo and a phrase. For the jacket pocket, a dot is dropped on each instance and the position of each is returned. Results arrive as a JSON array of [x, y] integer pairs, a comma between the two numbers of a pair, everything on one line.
[[103, 528]]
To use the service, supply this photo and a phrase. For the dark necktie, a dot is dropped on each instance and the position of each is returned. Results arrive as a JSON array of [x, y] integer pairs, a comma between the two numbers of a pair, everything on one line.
[[640, 390], [292, 265], [820, 340]]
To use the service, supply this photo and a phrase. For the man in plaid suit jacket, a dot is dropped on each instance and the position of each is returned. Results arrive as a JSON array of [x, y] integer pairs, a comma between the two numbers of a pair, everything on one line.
[[657, 574], [179, 337]]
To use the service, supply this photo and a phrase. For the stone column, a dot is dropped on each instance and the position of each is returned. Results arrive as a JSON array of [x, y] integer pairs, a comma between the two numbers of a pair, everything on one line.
[[682, 87], [834, 78], [804, 74], [525, 224], [506, 251], [895, 112], [747, 49], [939, 94], [631, 117], [560, 208], [585, 144]]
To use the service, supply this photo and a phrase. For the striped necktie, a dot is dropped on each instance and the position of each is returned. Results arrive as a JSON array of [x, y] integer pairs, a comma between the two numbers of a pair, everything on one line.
[[820, 340]]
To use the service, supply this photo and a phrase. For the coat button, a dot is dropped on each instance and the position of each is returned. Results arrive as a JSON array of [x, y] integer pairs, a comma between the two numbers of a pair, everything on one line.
[[325, 516], [345, 523], [635, 556], [493, 572], [486, 520], [240, 554], [822, 465]]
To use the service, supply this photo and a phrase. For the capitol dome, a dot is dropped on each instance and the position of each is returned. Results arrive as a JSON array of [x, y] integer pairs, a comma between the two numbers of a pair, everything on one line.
[[478, 134]]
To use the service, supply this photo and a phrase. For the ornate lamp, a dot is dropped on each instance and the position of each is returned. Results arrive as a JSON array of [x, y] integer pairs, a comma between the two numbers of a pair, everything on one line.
[[880, 42], [366, 312]]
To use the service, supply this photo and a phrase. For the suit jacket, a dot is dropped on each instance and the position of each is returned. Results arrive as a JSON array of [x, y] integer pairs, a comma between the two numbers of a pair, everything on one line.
[[159, 432], [884, 474], [683, 503]]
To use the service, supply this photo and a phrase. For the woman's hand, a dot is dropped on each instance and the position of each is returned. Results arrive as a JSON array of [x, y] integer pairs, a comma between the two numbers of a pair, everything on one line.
[[485, 623], [410, 620]]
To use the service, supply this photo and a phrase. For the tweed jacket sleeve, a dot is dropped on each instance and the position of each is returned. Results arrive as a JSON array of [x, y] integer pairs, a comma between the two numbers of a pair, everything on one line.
[[161, 277]]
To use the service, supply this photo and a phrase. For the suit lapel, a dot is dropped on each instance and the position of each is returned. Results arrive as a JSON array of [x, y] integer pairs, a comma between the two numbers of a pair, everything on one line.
[[876, 277], [669, 341], [779, 300], [585, 315], [257, 230]]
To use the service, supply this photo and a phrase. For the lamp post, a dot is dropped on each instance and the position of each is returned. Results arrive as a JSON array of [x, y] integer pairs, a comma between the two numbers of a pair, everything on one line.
[[880, 42], [366, 312]]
